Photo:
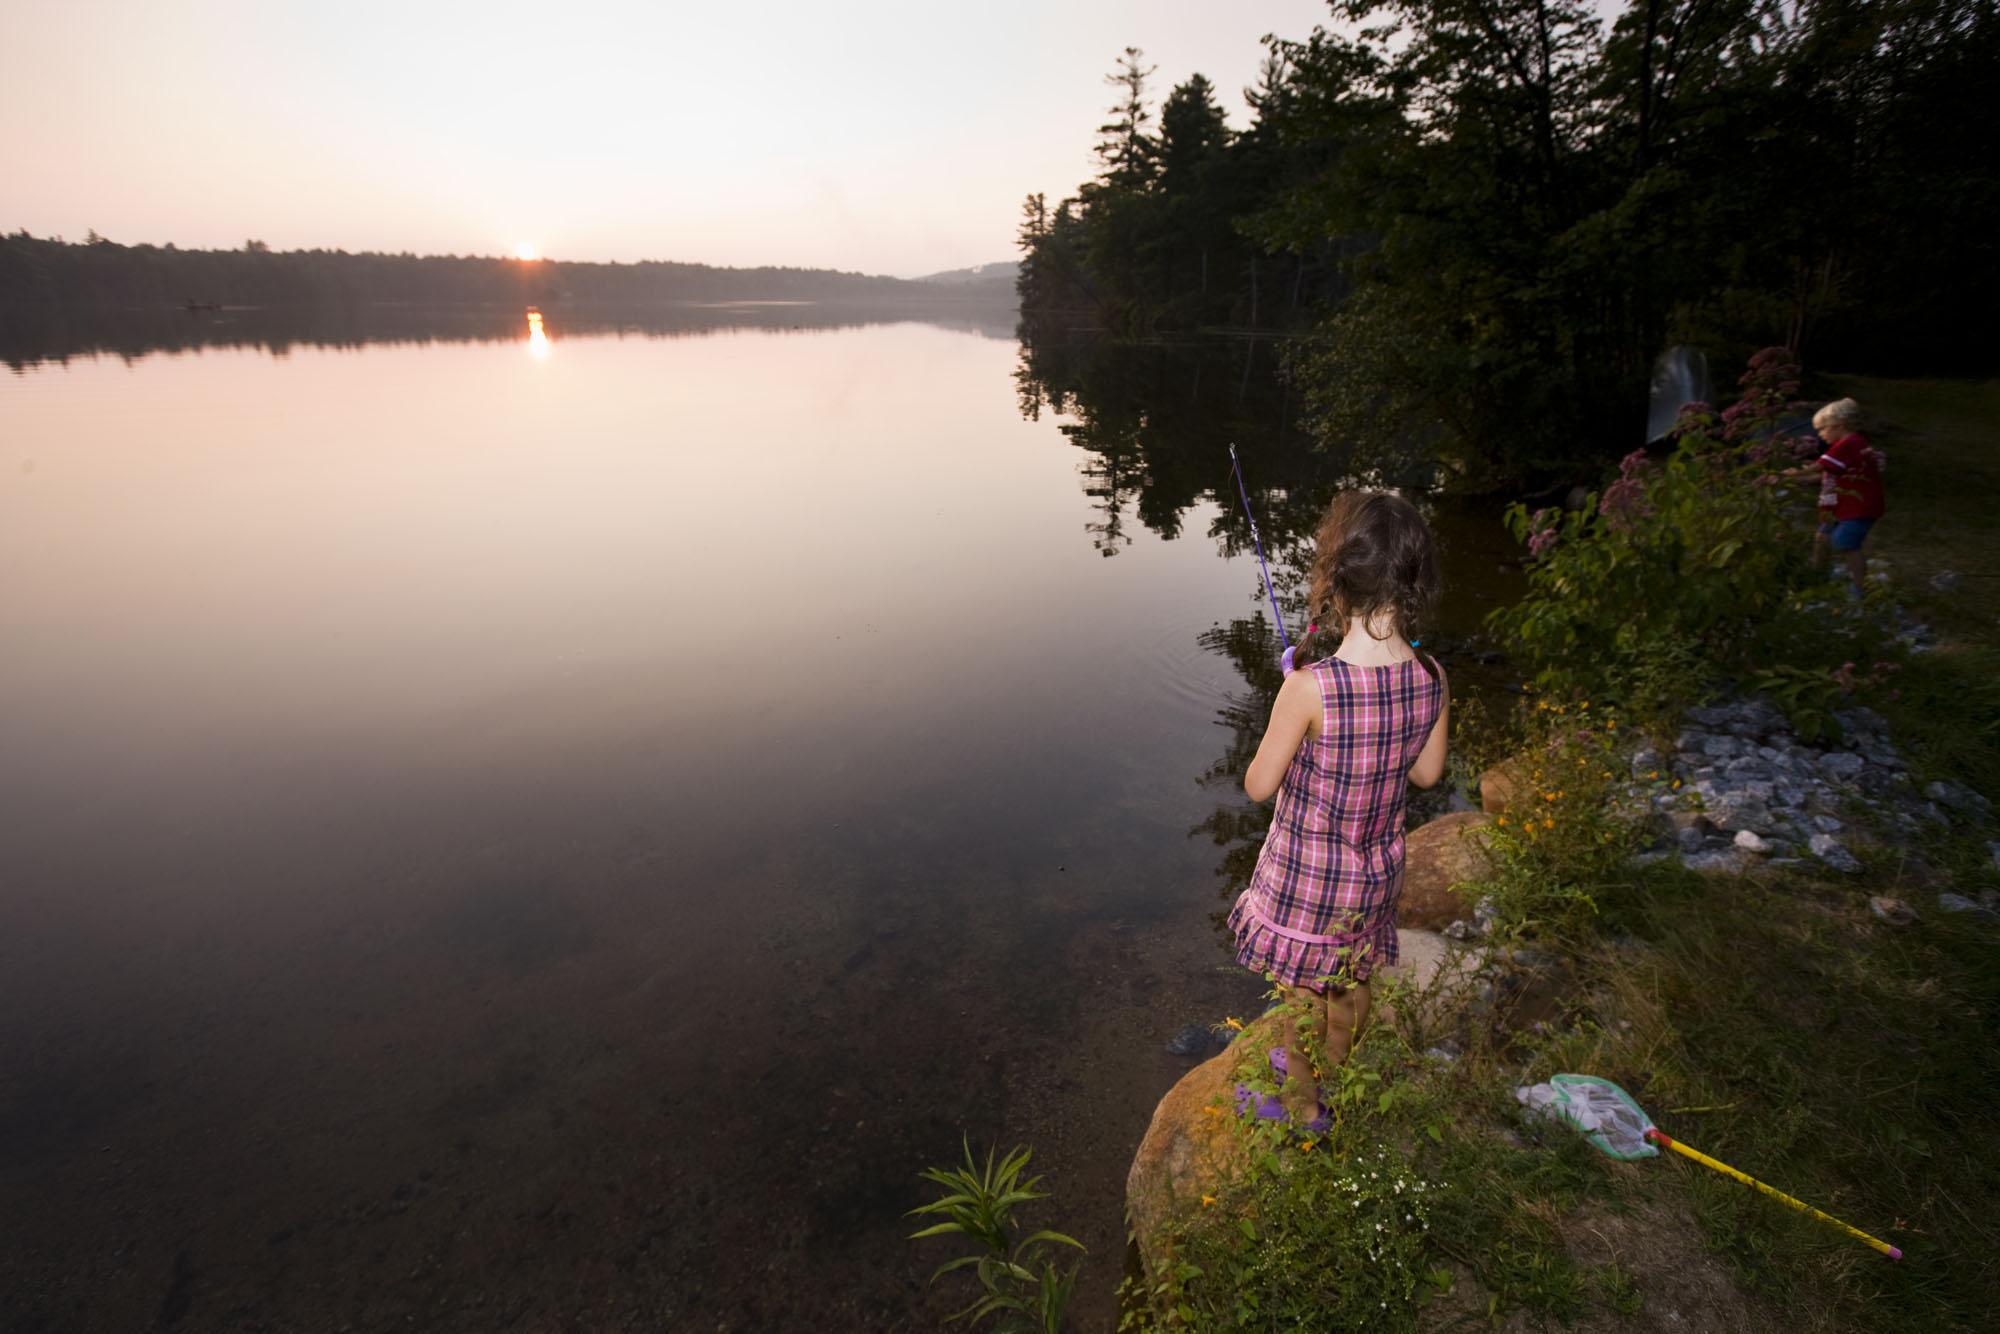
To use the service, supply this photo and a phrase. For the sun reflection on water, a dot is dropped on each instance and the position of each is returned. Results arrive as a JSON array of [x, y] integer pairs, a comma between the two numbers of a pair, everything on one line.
[[538, 340]]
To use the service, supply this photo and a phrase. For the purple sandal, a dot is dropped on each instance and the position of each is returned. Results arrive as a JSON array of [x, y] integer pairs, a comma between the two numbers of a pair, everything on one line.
[[1267, 1107]]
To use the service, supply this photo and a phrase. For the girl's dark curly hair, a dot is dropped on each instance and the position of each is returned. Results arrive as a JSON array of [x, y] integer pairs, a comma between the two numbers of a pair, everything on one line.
[[1374, 553]]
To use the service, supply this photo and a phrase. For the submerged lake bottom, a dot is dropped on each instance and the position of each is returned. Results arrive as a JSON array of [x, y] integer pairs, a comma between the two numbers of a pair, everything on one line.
[[558, 836]]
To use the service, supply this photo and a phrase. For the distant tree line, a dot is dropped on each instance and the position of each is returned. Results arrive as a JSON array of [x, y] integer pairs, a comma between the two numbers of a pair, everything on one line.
[[1491, 215], [40, 271]]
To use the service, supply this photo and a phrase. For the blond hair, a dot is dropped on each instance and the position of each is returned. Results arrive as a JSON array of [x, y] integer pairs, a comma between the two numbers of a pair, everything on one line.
[[1842, 411]]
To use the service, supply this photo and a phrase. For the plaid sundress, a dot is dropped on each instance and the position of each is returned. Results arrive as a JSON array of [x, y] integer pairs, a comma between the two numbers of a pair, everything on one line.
[[1322, 901]]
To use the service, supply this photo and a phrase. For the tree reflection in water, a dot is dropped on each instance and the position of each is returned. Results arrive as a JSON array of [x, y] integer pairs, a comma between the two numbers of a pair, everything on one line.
[[1154, 421]]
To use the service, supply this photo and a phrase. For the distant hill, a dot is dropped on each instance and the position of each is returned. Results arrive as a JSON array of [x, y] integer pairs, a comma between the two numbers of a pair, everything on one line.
[[38, 272], [999, 274]]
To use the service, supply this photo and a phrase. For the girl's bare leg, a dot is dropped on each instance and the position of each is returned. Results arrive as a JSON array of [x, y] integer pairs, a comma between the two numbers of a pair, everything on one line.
[[1346, 1016], [1303, 1031]]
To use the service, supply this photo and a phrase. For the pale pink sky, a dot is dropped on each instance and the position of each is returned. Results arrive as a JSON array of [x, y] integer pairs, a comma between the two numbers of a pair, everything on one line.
[[883, 136]]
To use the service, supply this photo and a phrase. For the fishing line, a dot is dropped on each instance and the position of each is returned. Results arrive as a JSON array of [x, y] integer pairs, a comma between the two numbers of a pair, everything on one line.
[[1262, 564]]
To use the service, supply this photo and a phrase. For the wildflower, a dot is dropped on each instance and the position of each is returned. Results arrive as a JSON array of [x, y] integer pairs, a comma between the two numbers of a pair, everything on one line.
[[1236, 1024], [1501, 819], [1208, 1201], [1548, 822], [1606, 775], [1652, 773], [1677, 785]]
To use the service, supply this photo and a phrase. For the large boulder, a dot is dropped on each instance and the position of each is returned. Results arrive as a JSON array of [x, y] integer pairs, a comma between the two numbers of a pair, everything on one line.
[[1437, 855], [1503, 785], [1194, 1148]]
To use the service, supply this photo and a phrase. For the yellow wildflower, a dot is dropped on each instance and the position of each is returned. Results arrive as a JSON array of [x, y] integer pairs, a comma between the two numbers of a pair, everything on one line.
[[1548, 822], [1611, 724], [1236, 1024], [1605, 775], [1652, 773], [1677, 785], [1501, 819], [1584, 705], [1208, 1201], [1306, 1146]]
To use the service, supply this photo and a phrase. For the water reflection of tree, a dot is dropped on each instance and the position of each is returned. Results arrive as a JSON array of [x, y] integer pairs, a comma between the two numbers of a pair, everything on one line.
[[1155, 422], [1237, 825]]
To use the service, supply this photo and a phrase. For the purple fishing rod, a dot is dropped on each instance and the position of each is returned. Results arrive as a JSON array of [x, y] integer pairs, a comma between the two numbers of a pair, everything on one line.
[[1262, 564]]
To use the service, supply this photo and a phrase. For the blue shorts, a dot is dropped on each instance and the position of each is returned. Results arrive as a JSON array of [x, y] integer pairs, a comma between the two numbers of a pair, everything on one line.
[[1848, 534]]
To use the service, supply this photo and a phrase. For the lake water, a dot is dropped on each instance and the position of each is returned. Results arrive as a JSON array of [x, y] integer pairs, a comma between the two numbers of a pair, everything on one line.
[[555, 833]]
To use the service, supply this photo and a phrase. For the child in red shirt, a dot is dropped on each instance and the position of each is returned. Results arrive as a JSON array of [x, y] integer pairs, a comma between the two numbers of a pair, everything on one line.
[[1851, 487]]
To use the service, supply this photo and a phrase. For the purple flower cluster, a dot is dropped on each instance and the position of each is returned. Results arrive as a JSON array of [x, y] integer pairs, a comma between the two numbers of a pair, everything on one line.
[[1542, 528], [1768, 386], [1625, 501]]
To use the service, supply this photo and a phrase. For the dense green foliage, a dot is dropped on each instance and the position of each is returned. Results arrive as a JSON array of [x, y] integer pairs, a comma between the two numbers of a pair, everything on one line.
[[1494, 213], [1679, 577]]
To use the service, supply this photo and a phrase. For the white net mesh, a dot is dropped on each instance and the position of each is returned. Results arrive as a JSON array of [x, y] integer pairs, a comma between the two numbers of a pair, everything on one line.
[[1600, 1109]]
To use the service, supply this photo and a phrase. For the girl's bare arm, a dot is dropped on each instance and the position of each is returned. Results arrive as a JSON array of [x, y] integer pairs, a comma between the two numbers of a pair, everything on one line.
[[1430, 761], [1293, 718]]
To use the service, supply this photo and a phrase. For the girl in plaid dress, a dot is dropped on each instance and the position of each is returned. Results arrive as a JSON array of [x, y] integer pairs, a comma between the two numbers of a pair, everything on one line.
[[1361, 717]]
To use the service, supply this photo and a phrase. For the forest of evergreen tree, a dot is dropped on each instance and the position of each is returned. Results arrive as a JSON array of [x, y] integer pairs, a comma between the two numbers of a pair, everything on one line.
[[37, 273], [1480, 221]]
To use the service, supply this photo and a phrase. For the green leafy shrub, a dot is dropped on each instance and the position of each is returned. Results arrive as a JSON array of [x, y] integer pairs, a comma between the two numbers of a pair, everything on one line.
[[1572, 825], [1681, 575]]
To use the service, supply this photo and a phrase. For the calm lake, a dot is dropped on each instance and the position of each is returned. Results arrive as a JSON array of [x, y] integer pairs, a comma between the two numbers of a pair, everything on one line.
[[554, 828]]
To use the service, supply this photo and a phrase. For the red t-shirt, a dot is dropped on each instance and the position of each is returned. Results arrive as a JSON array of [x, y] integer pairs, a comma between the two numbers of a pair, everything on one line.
[[1858, 482]]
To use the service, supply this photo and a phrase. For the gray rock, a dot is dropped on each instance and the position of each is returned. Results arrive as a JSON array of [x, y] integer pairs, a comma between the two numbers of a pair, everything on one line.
[[1691, 743], [1716, 861], [1710, 715], [1878, 782], [1691, 839], [1841, 764], [1646, 760], [1193, 1040], [1462, 931], [1740, 812], [1747, 768], [1959, 797], [1834, 853], [1752, 842], [1827, 824], [1893, 911], [1862, 720], [1697, 821], [1959, 903], [1946, 581], [1721, 747], [1993, 855]]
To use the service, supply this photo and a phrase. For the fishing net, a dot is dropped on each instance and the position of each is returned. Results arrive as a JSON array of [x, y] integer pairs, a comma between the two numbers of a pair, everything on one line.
[[1605, 1113]]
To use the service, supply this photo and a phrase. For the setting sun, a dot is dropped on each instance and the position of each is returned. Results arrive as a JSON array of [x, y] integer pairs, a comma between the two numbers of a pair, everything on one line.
[[525, 250]]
